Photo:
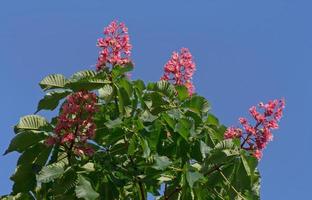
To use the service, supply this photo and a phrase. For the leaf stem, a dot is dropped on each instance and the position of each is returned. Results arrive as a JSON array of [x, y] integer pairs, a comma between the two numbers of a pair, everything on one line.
[[228, 182]]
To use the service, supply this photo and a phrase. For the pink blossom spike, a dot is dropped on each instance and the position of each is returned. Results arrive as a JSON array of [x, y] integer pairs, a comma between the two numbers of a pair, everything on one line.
[[116, 47], [255, 137], [179, 69]]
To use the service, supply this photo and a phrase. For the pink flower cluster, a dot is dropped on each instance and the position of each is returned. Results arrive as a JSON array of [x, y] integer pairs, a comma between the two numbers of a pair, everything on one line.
[[255, 137], [75, 123], [180, 69], [116, 47]]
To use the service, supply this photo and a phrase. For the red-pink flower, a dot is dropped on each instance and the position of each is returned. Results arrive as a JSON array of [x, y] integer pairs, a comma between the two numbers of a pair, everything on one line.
[[116, 47], [180, 69], [232, 132], [75, 123], [50, 141], [255, 137], [257, 154]]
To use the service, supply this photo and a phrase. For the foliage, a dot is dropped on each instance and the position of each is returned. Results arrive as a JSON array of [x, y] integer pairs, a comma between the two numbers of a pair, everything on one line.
[[155, 139], [147, 137]]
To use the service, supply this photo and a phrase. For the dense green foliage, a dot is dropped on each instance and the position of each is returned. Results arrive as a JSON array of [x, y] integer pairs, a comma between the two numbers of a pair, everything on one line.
[[151, 139]]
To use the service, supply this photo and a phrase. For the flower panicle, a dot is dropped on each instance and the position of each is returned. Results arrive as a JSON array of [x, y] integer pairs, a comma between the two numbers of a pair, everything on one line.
[[75, 123], [180, 68], [115, 45], [256, 137]]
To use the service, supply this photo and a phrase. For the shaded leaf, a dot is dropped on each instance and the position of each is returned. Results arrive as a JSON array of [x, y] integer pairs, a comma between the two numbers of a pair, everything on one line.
[[51, 172], [51, 100], [162, 162], [84, 189], [24, 178], [183, 127], [113, 123], [24, 140], [192, 177]]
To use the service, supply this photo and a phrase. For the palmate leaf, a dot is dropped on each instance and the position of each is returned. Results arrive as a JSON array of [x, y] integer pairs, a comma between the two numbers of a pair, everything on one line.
[[121, 70], [192, 177], [161, 162], [197, 104], [65, 184], [51, 100], [84, 189], [18, 196], [28, 165], [183, 128], [51, 172], [83, 74], [36, 156], [182, 92], [86, 84], [31, 122], [24, 178], [53, 81], [24, 140], [106, 92]]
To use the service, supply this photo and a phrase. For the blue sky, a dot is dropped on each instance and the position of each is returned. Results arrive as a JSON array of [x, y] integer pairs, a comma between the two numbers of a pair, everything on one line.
[[246, 52]]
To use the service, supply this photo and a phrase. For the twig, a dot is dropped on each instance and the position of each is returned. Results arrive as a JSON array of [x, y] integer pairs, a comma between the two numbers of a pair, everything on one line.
[[177, 189], [228, 182]]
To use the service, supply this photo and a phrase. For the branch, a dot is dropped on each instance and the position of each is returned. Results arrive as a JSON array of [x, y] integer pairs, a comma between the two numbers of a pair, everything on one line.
[[177, 189], [141, 190], [248, 136], [71, 146], [138, 179], [233, 188]]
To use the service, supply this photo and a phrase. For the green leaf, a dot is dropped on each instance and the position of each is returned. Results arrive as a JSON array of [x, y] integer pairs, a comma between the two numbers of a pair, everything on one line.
[[121, 70], [183, 127], [83, 74], [198, 105], [132, 146], [212, 120], [106, 92], [204, 149], [123, 98], [166, 88], [51, 172], [65, 184], [146, 116], [192, 177], [145, 147], [169, 120], [53, 81], [89, 167], [18, 196], [31, 122], [250, 164], [139, 84], [84, 189], [161, 162], [158, 103], [225, 144], [24, 140], [113, 123], [87, 84], [182, 92], [24, 178], [126, 84], [51, 100]]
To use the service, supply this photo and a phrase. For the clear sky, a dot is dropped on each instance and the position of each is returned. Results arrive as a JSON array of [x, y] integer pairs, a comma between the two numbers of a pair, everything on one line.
[[246, 51]]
